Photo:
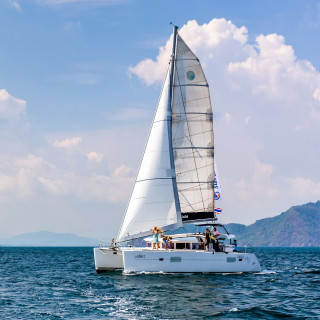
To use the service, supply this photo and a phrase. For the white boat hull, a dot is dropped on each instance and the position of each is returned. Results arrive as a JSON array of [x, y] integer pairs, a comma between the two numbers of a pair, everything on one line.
[[188, 261], [107, 259]]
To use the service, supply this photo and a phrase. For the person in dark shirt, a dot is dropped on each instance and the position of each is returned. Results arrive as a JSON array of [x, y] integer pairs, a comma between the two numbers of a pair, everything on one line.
[[207, 239]]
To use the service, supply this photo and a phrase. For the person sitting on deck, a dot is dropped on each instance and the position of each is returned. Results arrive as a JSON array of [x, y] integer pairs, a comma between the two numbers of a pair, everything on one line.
[[166, 240], [235, 245], [215, 233]]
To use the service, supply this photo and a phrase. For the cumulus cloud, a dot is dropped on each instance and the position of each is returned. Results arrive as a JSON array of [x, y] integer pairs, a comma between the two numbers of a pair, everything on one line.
[[94, 156], [122, 171], [18, 175], [114, 188], [68, 143], [54, 186], [16, 5], [11, 107]]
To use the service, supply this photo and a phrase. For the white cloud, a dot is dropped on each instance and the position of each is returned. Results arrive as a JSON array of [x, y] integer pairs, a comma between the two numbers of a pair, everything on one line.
[[122, 171], [11, 107], [94, 156], [30, 161], [16, 5], [316, 95], [68, 143], [304, 189], [53, 186]]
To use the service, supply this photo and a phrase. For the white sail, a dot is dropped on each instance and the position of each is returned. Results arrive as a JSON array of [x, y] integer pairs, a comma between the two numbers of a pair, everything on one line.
[[192, 131], [176, 175], [152, 201]]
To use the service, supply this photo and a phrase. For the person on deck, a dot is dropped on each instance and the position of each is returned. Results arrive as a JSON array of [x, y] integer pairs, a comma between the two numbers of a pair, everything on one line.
[[207, 239], [215, 233], [235, 245], [214, 240], [166, 240], [155, 237]]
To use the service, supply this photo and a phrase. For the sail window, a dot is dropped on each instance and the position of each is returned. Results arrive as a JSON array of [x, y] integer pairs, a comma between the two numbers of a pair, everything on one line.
[[190, 75]]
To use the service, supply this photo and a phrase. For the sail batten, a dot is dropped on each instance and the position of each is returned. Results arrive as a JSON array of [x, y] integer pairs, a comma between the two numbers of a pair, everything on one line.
[[191, 85]]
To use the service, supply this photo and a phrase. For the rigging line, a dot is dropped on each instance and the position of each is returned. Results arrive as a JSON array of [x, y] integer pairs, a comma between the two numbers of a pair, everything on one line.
[[190, 205], [184, 107], [202, 167], [193, 147]]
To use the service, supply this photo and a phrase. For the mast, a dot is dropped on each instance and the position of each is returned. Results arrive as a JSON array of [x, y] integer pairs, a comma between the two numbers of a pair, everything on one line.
[[169, 118]]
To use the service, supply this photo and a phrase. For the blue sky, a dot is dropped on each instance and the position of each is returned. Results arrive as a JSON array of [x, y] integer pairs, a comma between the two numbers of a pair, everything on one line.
[[75, 109]]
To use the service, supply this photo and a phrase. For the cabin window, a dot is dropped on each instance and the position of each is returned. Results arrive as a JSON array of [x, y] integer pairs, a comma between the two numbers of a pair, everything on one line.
[[195, 246], [188, 246], [231, 259], [175, 259], [180, 246]]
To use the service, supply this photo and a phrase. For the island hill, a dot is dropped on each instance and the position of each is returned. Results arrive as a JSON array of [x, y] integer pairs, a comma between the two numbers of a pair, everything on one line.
[[297, 227]]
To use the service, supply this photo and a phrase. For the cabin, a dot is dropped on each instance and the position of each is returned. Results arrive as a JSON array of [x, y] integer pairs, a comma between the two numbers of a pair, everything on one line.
[[194, 242]]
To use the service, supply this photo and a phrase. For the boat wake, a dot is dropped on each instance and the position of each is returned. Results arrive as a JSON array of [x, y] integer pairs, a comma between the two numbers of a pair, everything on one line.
[[131, 273], [266, 272]]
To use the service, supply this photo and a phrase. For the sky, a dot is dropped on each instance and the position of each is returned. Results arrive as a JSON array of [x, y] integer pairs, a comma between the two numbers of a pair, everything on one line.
[[79, 84]]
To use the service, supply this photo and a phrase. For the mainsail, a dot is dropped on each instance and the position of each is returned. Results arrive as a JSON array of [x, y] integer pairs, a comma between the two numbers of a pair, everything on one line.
[[176, 176], [192, 129]]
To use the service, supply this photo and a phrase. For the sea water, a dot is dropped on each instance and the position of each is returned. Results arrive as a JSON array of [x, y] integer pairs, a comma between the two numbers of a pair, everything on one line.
[[61, 283]]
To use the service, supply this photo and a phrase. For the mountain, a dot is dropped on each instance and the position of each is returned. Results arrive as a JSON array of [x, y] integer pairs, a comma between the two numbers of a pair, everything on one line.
[[49, 239], [297, 227]]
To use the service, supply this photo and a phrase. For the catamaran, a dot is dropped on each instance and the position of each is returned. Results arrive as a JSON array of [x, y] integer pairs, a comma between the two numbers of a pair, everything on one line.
[[175, 185]]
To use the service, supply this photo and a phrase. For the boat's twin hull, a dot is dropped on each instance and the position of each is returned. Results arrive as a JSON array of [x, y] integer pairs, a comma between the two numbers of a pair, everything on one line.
[[188, 261], [107, 259]]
